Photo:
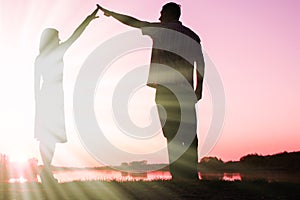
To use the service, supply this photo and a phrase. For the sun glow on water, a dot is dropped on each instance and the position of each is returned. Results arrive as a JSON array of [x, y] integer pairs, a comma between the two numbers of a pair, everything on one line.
[[18, 180], [20, 159]]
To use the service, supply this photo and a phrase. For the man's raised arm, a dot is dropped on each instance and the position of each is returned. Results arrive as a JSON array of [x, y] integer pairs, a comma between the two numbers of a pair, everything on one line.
[[125, 19]]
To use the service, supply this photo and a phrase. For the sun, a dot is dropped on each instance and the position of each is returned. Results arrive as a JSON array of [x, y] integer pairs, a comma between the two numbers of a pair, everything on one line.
[[19, 158]]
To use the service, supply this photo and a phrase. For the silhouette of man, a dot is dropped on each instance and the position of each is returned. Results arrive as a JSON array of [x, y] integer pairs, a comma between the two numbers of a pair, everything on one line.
[[175, 95]]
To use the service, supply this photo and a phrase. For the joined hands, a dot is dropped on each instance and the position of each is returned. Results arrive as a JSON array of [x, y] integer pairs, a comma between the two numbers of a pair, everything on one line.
[[105, 11], [93, 15]]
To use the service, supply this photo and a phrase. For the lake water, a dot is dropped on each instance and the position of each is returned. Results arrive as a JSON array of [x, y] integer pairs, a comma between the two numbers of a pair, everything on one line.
[[111, 175]]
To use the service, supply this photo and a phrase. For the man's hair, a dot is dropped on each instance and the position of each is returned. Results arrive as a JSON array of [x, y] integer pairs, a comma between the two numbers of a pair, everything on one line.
[[173, 10]]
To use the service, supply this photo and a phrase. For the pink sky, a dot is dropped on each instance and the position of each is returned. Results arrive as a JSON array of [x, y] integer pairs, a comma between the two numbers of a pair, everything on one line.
[[254, 45]]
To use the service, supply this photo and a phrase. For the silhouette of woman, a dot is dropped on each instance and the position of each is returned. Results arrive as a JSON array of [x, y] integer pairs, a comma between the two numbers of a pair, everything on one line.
[[49, 97]]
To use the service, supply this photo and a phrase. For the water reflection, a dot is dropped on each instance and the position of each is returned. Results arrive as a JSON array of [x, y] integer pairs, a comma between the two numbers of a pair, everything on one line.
[[211, 176], [111, 175], [232, 177]]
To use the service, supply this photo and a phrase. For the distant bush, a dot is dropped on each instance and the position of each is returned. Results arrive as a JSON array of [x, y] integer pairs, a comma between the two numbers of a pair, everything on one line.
[[282, 161]]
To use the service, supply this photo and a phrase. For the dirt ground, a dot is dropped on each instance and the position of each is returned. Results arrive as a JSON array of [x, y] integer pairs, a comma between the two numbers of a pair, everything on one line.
[[151, 190]]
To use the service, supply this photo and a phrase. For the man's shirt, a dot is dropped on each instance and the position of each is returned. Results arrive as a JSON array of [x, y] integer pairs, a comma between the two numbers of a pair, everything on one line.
[[175, 50]]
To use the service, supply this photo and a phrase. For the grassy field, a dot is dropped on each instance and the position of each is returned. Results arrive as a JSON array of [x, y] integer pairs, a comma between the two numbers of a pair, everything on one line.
[[151, 190]]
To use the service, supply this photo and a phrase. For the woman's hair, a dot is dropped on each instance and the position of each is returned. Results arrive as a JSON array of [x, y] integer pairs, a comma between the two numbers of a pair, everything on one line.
[[49, 36]]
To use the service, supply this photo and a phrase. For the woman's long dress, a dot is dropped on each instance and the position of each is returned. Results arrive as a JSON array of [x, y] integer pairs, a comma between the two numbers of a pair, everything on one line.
[[50, 117]]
